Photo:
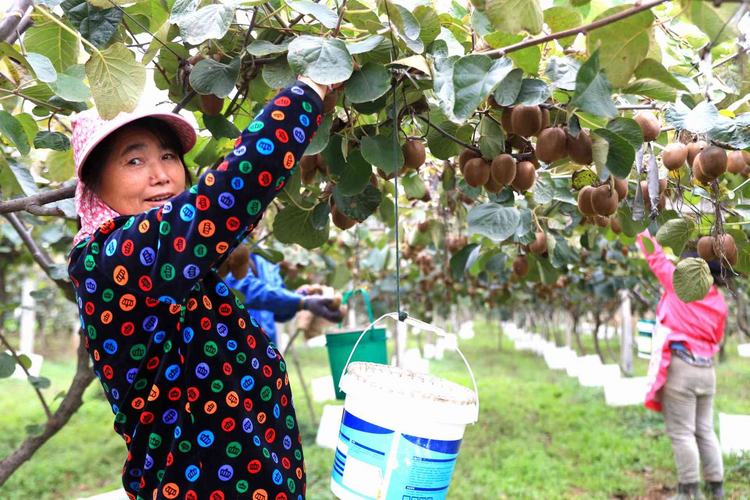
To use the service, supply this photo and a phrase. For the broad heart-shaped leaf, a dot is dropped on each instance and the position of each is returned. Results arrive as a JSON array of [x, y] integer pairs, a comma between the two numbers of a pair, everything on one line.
[[630, 227], [260, 48], [414, 187], [622, 45], [620, 154], [507, 91], [493, 221], [533, 91], [514, 16], [333, 155], [355, 174], [323, 134], [593, 92], [474, 77], [103, 4], [429, 24], [365, 45], [13, 131], [207, 23], [220, 127], [544, 188], [561, 19], [326, 61], [42, 67], [51, 140], [442, 147], [628, 129], [404, 21], [320, 216], [70, 88], [674, 234], [464, 259], [692, 279], [116, 79], [650, 68], [52, 41], [7, 365], [654, 89], [24, 177], [360, 206], [712, 20], [562, 72], [278, 74], [379, 151], [95, 25], [213, 77], [295, 225], [492, 138], [60, 165], [703, 119], [322, 13], [366, 85], [527, 59], [547, 272]]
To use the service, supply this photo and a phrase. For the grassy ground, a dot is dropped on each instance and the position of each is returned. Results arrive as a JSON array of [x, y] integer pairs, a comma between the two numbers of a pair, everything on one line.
[[540, 436]]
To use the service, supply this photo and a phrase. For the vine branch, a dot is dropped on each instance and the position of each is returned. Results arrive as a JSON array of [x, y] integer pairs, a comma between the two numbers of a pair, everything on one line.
[[34, 203]]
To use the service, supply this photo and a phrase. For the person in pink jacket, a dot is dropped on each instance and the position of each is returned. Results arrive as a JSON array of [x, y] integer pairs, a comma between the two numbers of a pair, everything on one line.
[[682, 381]]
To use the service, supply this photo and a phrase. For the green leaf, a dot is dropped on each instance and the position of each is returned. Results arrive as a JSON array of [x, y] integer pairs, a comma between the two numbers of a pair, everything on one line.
[[355, 175], [650, 68], [630, 227], [593, 91], [712, 20], [116, 79], [544, 188], [70, 88], [414, 187], [629, 130], [474, 77], [320, 216], [29, 125], [51, 140], [561, 19], [365, 45], [24, 361], [7, 365], [379, 152], [213, 77], [360, 206], [674, 234], [278, 74], [322, 13], [507, 91], [692, 279], [326, 61], [320, 140], [562, 72], [493, 221], [95, 25], [58, 272], [492, 139], [180, 9], [207, 23], [648, 245], [220, 127], [295, 225], [527, 59], [39, 382], [260, 48], [429, 24], [653, 89], [547, 272], [42, 66], [13, 131], [60, 165], [49, 39], [442, 147], [622, 45], [333, 155], [533, 91], [366, 85], [464, 259], [620, 155], [387, 212], [24, 177], [514, 16]]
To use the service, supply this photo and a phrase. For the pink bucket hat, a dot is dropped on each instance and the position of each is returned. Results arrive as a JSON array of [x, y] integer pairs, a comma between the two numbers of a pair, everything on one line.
[[89, 129]]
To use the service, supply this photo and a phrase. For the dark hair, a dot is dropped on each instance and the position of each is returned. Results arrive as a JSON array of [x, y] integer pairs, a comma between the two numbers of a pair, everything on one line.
[[92, 171]]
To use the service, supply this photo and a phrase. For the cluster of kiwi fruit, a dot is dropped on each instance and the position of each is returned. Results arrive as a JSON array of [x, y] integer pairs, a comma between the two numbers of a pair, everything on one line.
[[721, 247], [310, 165], [503, 171], [456, 243], [238, 263], [210, 104], [601, 201]]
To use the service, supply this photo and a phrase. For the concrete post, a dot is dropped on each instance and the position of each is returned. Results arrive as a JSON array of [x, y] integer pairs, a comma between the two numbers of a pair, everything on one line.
[[626, 336]]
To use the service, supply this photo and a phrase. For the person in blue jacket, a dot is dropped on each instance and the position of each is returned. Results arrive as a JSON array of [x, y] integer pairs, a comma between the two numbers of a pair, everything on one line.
[[268, 300]]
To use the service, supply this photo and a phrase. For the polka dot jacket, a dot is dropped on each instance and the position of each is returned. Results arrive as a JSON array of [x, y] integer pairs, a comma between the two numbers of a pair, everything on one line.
[[199, 393]]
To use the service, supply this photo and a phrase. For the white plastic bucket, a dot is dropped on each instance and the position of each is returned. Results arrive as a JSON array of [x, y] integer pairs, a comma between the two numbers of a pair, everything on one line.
[[645, 329], [401, 431]]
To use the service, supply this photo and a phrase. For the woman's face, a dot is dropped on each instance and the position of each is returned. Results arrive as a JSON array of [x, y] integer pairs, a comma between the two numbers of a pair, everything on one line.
[[140, 173]]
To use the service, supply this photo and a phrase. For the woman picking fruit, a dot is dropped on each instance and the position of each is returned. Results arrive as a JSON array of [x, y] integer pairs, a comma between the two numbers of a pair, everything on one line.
[[200, 396]]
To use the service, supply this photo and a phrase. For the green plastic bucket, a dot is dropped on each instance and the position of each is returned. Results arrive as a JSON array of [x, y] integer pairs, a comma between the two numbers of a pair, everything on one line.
[[372, 348]]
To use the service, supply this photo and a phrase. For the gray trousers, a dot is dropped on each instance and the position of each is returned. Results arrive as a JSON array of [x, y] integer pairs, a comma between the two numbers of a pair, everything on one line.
[[687, 403]]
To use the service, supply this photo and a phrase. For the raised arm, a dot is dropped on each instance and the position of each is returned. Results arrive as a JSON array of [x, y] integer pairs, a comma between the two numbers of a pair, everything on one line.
[[165, 251], [660, 265]]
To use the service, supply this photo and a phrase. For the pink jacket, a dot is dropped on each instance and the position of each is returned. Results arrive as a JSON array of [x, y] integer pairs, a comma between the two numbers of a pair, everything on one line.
[[699, 324]]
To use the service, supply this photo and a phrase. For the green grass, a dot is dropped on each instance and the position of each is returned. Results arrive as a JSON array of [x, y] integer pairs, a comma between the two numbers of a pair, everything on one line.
[[540, 435]]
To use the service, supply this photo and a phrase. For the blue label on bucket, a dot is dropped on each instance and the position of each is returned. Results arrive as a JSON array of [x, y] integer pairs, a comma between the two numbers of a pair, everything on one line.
[[375, 463]]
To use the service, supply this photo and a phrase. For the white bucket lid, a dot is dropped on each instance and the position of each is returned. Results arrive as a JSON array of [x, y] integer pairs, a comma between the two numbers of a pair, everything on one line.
[[439, 399]]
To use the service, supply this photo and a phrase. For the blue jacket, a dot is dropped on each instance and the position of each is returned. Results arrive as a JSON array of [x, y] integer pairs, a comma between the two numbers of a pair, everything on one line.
[[266, 298]]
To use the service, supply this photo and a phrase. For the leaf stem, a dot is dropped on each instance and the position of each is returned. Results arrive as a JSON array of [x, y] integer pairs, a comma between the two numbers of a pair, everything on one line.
[[30, 99]]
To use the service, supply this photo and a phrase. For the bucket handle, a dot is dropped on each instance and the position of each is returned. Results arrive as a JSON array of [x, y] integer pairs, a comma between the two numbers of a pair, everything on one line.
[[422, 326], [367, 303]]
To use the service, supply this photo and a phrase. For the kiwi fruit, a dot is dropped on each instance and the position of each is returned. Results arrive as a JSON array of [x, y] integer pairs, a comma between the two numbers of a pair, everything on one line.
[[521, 266], [463, 157], [224, 269], [193, 60], [662, 185], [649, 125], [423, 226], [414, 154], [329, 102], [308, 163], [604, 200], [535, 161], [491, 186], [713, 161], [308, 176], [385, 176], [526, 120], [551, 145], [211, 105], [602, 221], [584, 201], [340, 220], [698, 172], [321, 164], [706, 248], [493, 103], [506, 120], [476, 172], [539, 246], [545, 118], [517, 142], [746, 157], [525, 176], [735, 162], [621, 186], [726, 249], [746, 172], [693, 149], [503, 169], [579, 148], [614, 223], [674, 156]]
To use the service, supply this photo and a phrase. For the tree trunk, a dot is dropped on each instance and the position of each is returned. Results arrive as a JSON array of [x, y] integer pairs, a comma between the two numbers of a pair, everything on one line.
[[576, 333], [597, 323]]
